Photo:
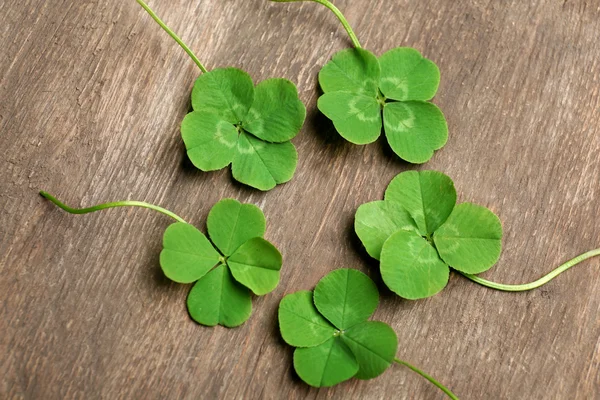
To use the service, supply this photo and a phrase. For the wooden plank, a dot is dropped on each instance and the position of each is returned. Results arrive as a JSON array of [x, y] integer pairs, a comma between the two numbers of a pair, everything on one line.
[[92, 94]]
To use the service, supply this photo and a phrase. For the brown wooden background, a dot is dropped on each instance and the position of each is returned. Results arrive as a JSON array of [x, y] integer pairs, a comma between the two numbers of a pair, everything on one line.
[[91, 97]]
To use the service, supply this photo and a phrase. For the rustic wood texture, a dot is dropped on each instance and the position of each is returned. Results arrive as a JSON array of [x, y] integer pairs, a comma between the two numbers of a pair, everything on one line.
[[92, 95]]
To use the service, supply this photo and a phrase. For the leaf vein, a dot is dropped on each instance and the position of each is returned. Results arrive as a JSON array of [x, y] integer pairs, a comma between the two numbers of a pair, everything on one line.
[[365, 347]]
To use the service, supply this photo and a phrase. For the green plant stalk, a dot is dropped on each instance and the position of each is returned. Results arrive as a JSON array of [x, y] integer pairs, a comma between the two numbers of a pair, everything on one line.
[[337, 13], [429, 378], [536, 284], [173, 35], [125, 203]]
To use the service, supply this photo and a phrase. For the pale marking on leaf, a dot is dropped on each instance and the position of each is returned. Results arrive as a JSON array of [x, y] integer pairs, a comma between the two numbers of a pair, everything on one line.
[[360, 114], [245, 150], [217, 136], [451, 247], [221, 138], [251, 149], [452, 230], [233, 107], [399, 83], [418, 246], [359, 83], [254, 117], [406, 124], [254, 150]]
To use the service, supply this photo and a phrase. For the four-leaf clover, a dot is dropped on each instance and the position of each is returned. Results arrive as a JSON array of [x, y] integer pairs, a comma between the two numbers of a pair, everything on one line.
[[418, 232], [237, 261], [235, 123], [362, 93], [249, 127], [330, 328]]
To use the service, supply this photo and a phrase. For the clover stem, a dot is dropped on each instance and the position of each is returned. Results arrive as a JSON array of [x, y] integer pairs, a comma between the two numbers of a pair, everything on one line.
[[125, 203], [536, 284], [429, 378], [337, 13], [172, 34]]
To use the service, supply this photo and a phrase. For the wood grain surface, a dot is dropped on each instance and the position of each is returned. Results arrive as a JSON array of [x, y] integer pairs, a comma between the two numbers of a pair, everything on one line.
[[91, 97]]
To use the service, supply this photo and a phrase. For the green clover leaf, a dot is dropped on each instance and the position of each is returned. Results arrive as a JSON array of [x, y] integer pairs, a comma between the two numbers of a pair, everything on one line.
[[346, 297], [300, 322], [256, 265], [231, 223], [471, 239], [428, 196], [249, 127], [187, 254], [329, 327], [277, 114], [226, 92], [240, 262], [235, 123], [363, 93], [327, 364], [374, 345], [411, 267], [356, 117], [263, 165], [407, 75], [351, 70], [218, 299], [418, 233], [377, 221], [210, 141]]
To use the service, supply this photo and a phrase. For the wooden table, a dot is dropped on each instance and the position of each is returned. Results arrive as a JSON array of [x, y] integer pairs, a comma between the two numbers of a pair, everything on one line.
[[92, 95]]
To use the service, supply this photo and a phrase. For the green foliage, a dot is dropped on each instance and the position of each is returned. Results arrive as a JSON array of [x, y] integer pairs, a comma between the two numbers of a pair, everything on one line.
[[231, 224], [187, 254], [410, 266], [427, 196], [242, 262], [300, 322], [346, 297], [329, 327], [363, 93], [261, 164], [471, 238], [326, 354], [418, 232], [249, 127], [256, 265], [218, 299], [234, 122]]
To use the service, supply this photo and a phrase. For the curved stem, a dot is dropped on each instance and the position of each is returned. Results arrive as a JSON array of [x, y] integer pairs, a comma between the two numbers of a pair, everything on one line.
[[536, 284], [125, 203], [337, 13], [429, 378], [173, 35]]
